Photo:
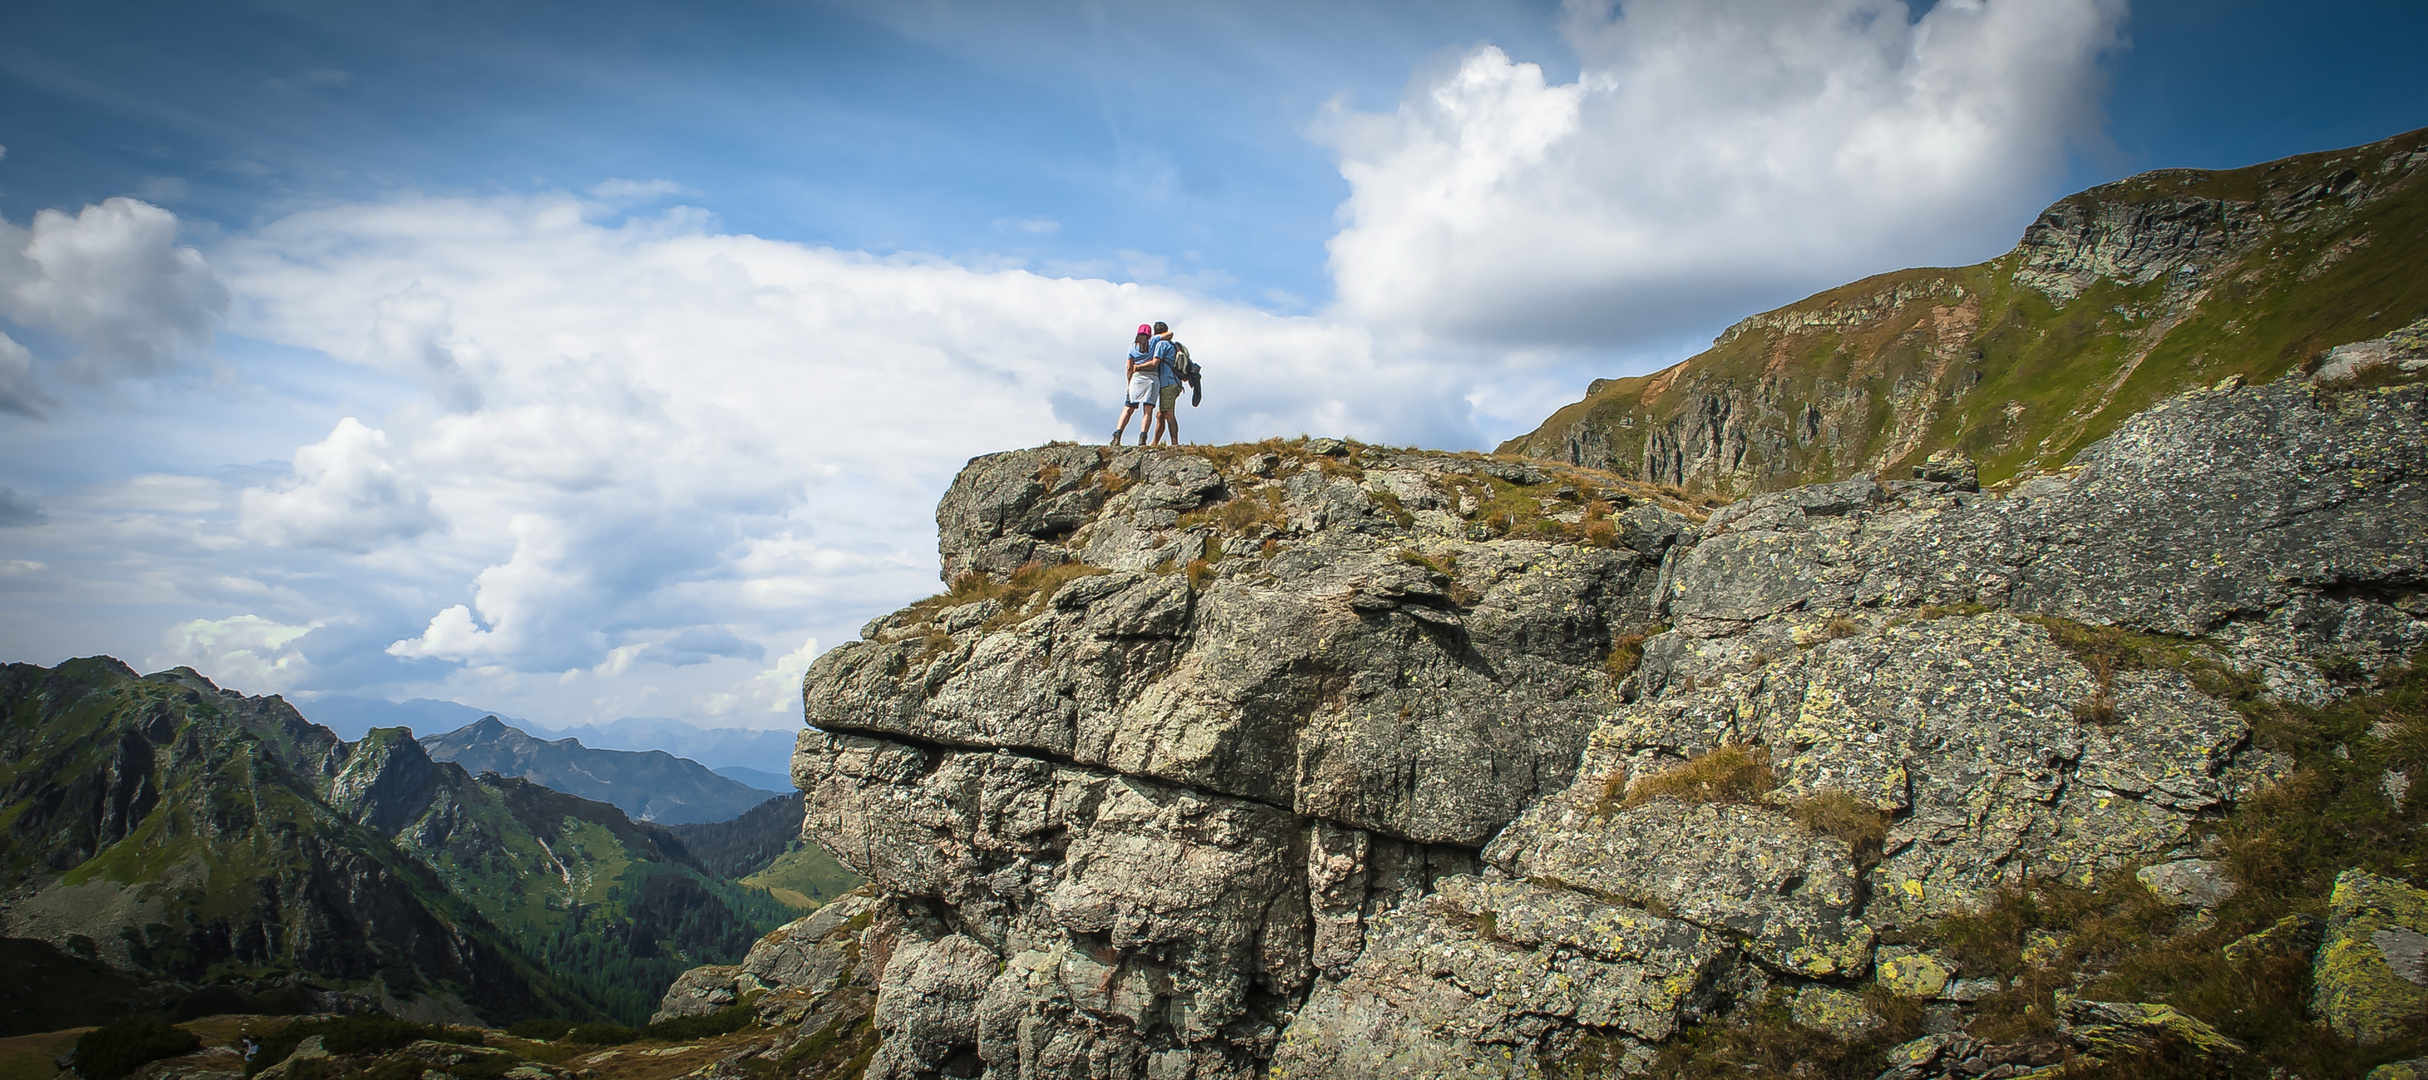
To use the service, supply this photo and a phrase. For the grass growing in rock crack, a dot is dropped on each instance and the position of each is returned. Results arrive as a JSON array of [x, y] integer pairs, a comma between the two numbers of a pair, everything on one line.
[[1023, 592], [1627, 652], [2282, 847], [1735, 773], [1739, 773], [1239, 514]]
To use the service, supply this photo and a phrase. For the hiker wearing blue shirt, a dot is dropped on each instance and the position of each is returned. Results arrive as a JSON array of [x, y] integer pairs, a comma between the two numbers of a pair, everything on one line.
[[1167, 389], [1144, 387]]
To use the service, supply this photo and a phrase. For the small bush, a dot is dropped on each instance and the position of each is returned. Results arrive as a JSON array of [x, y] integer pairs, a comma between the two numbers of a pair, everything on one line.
[[542, 1030], [601, 1034], [1735, 773], [114, 1050], [725, 1021]]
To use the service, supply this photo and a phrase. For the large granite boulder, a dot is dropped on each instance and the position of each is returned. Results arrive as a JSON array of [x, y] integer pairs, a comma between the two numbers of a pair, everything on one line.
[[1220, 761]]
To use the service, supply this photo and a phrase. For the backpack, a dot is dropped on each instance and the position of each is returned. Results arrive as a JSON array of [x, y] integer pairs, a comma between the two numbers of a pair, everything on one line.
[[1189, 372]]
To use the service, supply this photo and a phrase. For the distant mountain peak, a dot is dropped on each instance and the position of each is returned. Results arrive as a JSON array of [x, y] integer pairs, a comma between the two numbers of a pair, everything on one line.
[[649, 785]]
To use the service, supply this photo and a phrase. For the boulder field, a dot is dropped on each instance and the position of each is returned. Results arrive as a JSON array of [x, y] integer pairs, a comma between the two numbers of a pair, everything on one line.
[[1314, 759]]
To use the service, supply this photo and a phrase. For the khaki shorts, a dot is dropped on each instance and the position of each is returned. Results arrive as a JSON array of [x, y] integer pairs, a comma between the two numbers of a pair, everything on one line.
[[1169, 396]]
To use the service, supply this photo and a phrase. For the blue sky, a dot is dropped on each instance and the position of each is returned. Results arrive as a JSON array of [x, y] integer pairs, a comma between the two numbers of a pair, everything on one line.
[[603, 360]]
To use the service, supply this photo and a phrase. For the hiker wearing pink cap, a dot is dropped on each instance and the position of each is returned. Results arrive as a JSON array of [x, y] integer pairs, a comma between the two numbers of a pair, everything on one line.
[[1143, 385]]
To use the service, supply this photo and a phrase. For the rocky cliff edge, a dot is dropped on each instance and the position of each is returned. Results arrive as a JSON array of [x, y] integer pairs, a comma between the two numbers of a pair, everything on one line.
[[1315, 759]]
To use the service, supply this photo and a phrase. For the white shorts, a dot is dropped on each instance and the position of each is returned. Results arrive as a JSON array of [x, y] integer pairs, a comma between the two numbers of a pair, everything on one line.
[[1142, 389]]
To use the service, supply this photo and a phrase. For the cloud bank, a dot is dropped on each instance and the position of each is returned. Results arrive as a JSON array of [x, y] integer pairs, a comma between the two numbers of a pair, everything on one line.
[[1710, 152]]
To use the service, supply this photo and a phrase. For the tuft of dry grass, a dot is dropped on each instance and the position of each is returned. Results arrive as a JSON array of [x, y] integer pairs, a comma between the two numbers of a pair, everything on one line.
[[1393, 508], [1023, 594], [2100, 707], [1735, 773], [1835, 813], [1241, 513], [1627, 652]]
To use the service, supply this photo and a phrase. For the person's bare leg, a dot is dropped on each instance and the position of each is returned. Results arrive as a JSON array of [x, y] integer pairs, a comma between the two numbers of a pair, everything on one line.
[[1124, 425], [1171, 424], [1147, 428]]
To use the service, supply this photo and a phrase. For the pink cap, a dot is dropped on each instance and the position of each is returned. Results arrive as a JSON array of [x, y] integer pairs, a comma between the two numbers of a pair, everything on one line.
[[1145, 329]]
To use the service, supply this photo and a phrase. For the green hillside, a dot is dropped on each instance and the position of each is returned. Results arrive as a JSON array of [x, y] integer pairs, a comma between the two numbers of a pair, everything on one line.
[[763, 849], [164, 827], [154, 829], [2116, 298]]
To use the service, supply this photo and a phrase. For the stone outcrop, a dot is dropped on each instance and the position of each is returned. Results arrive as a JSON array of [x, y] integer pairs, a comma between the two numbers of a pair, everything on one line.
[[1303, 760], [2371, 973]]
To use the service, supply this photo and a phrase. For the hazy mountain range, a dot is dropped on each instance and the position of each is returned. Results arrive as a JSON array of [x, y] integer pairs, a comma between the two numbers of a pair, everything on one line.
[[766, 751], [650, 785]]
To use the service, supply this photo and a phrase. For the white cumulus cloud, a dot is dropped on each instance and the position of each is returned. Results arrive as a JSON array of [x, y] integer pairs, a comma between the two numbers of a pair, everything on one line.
[[114, 280], [345, 492], [247, 653], [1711, 153]]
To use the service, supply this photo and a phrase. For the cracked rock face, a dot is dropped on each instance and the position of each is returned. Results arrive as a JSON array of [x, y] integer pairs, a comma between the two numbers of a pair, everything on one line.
[[1255, 760]]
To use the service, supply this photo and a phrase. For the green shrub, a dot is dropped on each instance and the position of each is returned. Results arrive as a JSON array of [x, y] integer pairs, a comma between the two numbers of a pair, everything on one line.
[[602, 1034], [114, 1050], [725, 1021], [543, 1030]]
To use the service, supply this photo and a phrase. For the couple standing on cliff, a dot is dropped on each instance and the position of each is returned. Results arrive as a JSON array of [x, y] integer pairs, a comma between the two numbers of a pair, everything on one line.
[[1157, 367]]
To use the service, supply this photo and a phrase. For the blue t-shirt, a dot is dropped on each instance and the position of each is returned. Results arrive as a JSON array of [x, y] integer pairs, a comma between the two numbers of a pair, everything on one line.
[[1167, 372], [1135, 357]]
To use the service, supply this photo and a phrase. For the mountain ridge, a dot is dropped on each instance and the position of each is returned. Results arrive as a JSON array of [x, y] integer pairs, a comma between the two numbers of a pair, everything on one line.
[[165, 826], [2115, 298], [651, 785]]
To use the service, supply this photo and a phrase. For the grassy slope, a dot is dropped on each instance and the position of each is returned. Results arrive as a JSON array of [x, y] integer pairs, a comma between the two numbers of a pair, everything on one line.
[[2288, 293], [594, 913], [763, 849], [804, 877], [228, 841]]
